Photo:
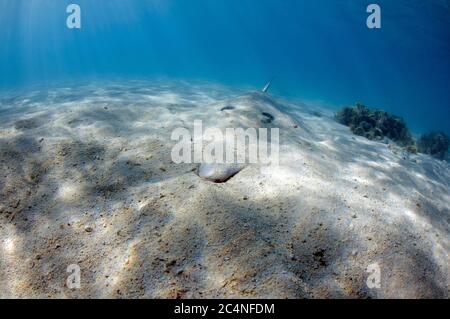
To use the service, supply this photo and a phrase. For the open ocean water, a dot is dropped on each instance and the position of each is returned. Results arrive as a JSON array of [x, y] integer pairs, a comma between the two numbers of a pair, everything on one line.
[[319, 50]]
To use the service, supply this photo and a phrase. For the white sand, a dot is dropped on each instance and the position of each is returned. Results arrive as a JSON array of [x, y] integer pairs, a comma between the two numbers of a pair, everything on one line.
[[81, 184]]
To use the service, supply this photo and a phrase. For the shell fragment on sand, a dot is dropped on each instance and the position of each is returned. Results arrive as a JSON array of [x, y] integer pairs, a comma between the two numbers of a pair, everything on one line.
[[218, 173]]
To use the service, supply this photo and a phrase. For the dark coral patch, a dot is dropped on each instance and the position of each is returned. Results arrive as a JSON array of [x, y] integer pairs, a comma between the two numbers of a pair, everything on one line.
[[375, 124], [435, 144]]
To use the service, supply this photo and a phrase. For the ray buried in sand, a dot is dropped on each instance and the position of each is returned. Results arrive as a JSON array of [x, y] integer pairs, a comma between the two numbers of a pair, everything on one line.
[[215, 146]]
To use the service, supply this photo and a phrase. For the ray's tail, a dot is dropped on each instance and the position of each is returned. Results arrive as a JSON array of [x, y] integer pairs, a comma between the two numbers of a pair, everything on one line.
[[267, 86]]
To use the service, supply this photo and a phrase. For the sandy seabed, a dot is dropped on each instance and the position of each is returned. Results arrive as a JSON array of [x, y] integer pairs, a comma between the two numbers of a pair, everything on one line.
[[86, 178]]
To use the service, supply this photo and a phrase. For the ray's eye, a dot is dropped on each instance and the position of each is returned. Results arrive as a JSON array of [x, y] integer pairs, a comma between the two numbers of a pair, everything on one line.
[[227, 108], [268, 118]]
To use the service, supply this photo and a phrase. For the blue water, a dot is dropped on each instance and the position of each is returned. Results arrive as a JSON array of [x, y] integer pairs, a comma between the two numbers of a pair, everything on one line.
[[316, 50]]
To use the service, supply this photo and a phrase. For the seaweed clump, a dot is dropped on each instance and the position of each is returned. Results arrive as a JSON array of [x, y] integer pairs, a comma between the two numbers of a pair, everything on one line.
[[375, 124], [435, 144]]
